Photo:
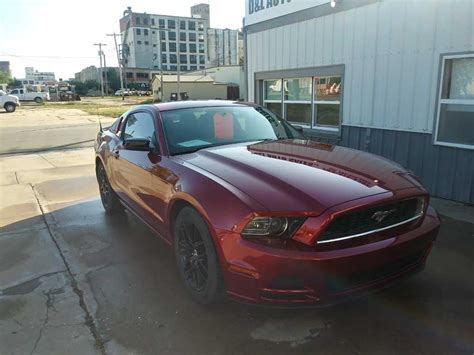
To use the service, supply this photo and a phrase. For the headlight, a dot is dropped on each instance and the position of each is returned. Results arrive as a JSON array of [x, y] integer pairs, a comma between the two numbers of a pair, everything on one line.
[[273, 227]]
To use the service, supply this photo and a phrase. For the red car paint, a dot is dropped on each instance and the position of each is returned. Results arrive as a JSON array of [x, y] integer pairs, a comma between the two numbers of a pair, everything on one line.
[[228, 185]]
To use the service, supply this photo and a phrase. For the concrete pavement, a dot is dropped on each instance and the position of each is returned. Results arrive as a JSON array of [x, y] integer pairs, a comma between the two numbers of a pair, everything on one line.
[[75, 281], [39, 129]]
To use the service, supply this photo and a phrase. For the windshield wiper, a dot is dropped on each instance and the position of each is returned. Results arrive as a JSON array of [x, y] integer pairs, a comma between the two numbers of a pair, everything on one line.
[[272, 139], [194, 150]]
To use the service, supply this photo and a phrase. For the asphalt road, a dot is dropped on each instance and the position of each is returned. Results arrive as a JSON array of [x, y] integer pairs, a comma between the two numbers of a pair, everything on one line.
[[16, 140]]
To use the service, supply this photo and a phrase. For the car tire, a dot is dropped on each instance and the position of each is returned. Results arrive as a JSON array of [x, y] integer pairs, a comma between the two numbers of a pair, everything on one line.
[[196, 257], [109, 198], [9, 107], [38, 100]]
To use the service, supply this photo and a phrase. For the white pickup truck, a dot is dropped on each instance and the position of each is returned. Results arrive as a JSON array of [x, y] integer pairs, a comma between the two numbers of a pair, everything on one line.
[[24, 95], [8, 102]]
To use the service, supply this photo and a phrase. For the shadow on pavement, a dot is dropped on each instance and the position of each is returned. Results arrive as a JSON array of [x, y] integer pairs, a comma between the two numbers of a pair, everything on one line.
[[132, 288]]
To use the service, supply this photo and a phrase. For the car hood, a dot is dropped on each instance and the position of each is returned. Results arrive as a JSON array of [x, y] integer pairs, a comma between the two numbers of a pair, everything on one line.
[[300, 175]]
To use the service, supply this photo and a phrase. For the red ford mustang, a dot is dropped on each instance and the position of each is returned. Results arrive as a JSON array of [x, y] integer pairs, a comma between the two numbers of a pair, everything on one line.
[[254, 210]]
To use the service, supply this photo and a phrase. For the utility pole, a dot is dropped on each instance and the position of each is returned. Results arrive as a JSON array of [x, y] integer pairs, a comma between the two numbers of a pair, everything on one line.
[[119, 62], [106, 77], [179, 62], [101, 69], [160, 31]]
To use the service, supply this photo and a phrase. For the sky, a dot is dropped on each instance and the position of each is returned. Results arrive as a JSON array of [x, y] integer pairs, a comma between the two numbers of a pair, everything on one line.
[[59, 35]]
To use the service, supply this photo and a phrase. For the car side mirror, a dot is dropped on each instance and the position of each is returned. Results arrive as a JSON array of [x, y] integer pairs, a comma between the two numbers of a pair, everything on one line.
[[141, 144]]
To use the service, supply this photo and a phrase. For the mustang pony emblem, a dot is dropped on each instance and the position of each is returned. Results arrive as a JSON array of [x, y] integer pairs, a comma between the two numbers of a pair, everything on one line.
[[379, 216]]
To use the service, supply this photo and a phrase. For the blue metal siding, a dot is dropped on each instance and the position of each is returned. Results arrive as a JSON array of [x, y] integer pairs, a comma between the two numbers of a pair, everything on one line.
[[446, 172], [390, 49]]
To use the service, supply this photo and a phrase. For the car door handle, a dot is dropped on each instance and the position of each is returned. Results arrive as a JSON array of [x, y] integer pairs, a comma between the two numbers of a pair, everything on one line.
[[116, 154]]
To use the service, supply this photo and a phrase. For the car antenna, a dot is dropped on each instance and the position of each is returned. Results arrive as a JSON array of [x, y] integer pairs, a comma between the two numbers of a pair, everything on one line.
[[100, 123]]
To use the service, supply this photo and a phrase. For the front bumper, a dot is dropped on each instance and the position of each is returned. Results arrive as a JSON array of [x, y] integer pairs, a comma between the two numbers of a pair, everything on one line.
[[261, 274]]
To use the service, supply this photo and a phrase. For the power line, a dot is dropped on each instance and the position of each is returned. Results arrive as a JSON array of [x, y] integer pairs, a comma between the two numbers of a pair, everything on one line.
[[119, 62], [41, 56], [101, 54]]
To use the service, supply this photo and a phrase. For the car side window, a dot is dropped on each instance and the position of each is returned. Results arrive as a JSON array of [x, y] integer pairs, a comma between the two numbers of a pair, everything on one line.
[[139, 125]]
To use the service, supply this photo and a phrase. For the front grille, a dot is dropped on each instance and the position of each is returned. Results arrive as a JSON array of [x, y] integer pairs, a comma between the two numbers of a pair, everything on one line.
[[370, 220], [336, 284]]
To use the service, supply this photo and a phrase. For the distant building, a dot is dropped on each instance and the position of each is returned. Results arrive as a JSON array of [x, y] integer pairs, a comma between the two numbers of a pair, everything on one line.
[[197, 87], [5, 66], [231, 75], [222, 47], [39, 77], [162, 42], [86, 74]]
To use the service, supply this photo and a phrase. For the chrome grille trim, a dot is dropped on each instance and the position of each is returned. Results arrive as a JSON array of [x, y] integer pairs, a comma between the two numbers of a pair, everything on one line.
[[371, 231]]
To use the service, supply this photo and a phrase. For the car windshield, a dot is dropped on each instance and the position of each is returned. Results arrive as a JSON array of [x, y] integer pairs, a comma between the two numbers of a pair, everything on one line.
[[188, 130]]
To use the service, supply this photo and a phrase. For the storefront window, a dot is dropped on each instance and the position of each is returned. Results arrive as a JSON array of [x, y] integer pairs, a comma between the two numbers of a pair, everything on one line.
[[327, 88], [297, 100], [273, 96], [313, 101], [298, 89], [273, 90], [274, 107], [327, 114], [455, 125], [298, 113], [327, 101]]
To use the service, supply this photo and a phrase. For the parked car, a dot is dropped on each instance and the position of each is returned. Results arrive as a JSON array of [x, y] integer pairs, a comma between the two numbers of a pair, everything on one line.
[[174, 96], [122, 92], [24, 95], [8, 102], [254, 210]]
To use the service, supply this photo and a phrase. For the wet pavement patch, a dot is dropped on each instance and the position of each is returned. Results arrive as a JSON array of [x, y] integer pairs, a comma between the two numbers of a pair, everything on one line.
[[295, 331]]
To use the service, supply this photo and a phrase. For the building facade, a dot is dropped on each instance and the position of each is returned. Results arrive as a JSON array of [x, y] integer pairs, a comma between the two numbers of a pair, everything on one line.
[[5, 66], [169, 43], [196, 87], [44, 78], [392, 77], [223, 47], [165, 42], [231, 75], [86, 74]]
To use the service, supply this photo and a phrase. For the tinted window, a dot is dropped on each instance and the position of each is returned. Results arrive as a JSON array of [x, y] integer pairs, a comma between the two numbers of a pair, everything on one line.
[[139, 125], [188, 130]]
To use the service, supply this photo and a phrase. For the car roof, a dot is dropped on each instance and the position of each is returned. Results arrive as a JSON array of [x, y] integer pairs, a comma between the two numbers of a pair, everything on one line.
[[176, 105]]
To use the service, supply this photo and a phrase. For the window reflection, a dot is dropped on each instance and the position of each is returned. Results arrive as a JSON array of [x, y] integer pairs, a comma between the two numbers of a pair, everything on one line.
[[328, 88], [298, 89]]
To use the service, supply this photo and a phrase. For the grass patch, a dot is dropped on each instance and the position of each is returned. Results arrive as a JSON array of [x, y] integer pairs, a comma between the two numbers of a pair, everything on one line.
[[108, 107]]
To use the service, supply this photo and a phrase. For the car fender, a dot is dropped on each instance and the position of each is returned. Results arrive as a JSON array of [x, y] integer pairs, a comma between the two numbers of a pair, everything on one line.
[[220, 204]]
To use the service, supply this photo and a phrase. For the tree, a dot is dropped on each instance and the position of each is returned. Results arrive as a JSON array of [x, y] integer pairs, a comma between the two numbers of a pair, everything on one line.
[[5, 77], [92, 85], [113, 78], [15, 83], [79, 87]]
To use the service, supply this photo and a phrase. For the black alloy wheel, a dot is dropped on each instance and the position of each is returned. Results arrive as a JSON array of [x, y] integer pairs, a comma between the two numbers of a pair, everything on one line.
[[192, 257], [197, 260], [108, 197]]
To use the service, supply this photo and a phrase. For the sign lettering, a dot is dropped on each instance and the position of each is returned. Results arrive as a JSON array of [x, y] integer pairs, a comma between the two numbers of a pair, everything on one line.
[[261, 5]]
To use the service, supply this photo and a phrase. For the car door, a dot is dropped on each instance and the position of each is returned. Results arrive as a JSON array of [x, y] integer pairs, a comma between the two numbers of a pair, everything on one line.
[[131, 168]]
